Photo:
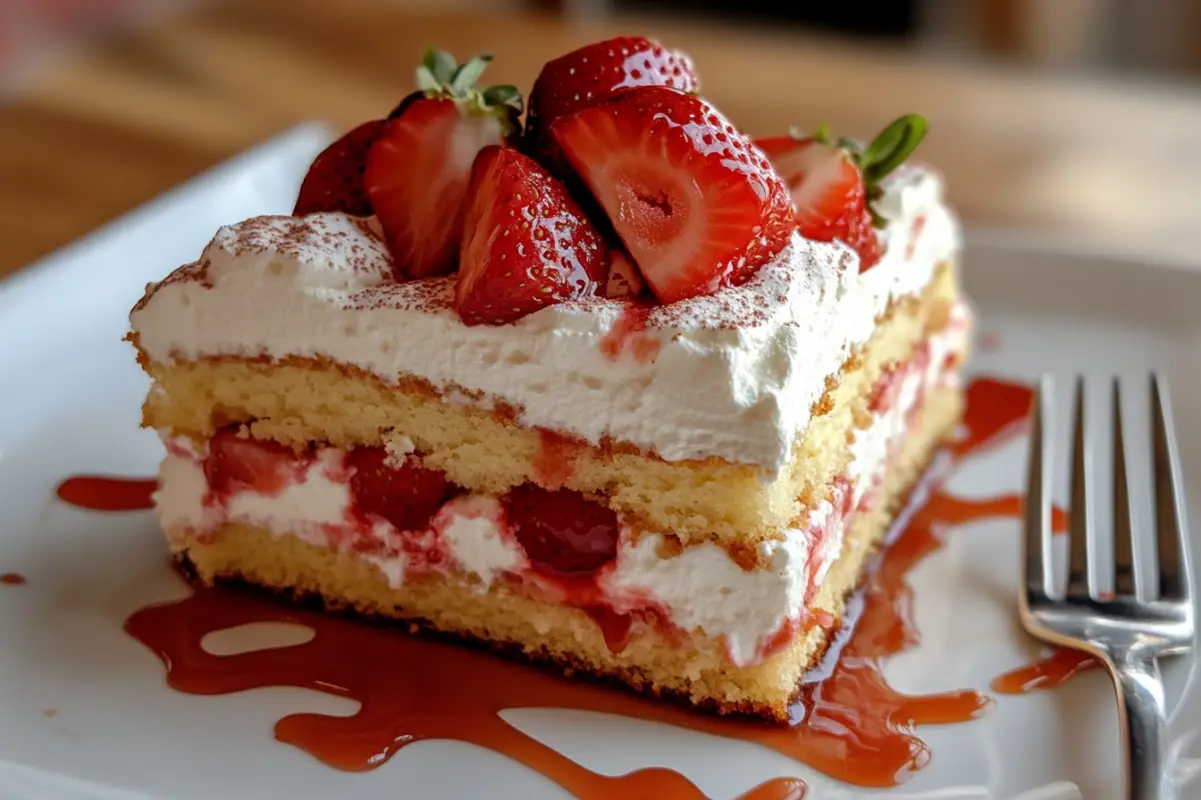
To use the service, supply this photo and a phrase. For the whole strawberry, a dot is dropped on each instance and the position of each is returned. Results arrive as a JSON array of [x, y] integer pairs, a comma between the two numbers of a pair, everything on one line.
[[695, 203], [596, 73], [334, 181], [417, 171], [833, 185], [526, 244]]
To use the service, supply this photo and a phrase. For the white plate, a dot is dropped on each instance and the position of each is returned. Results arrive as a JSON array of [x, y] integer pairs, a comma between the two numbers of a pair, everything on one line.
[[71, 395]]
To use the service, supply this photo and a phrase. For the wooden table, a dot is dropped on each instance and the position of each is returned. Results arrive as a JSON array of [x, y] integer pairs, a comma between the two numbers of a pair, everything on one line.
[[98, 135]]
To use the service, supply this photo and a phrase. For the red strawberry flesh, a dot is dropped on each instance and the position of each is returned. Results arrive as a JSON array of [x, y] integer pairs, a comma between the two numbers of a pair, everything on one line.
[[406, 494], [526, 244], [417, 176], [828, 194], [696, 204], [238, 463], [595, 73], [562, 532]]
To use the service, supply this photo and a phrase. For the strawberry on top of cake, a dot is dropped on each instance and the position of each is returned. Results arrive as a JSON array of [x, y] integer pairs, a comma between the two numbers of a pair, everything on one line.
[[621, 161]]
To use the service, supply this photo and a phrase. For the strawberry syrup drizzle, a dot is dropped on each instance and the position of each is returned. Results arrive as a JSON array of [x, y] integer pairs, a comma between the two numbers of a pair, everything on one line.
[[1046, 673], [100, 493], [626, 335], [848, 722]]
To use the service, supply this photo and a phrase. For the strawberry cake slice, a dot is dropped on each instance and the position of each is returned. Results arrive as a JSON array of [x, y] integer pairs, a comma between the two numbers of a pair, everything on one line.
[[620, 390]]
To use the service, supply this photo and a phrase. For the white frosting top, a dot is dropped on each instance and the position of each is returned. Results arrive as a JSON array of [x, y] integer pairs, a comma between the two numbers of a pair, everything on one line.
[[732, 375]]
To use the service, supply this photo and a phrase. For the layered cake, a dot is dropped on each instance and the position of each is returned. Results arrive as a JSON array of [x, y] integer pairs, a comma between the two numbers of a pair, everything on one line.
[[619, 389]]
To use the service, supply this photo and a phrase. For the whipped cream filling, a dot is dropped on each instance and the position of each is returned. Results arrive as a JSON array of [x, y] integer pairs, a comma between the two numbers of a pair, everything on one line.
[[700, 588], [872, 445], [731, 375]]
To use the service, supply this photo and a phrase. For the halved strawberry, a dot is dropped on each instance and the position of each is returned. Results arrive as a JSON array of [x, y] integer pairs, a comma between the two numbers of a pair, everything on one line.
[[526, 244], [593, 74], [417, 171], [406, 494], [334, 181], [832, 185], [696, 204], [828, 196], [239, 463], [562, 532]]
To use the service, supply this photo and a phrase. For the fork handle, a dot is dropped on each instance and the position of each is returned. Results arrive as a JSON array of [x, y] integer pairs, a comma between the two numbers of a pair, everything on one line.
[[1144, 726]]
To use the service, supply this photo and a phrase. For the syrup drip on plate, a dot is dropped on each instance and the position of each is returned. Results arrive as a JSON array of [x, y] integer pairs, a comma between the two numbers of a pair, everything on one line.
[[848, 723], [12, 579], [99, 493], [995, 410], [1046, 673]]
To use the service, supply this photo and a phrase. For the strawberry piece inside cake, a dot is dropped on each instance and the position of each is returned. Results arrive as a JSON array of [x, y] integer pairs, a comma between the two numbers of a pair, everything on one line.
[[627, 391]]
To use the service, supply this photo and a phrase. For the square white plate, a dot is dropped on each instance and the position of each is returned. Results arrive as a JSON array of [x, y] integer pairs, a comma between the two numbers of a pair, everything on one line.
[[85, 711]]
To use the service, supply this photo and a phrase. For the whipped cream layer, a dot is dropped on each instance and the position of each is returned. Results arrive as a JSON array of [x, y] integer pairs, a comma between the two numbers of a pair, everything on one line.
[[754, 612], [732, 375]]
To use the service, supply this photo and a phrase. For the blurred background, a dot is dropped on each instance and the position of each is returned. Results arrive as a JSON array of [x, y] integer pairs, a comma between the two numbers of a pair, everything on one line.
[[1077, 118]]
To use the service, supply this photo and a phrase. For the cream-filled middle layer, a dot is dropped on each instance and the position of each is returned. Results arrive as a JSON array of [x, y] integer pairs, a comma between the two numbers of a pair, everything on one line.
[[699, 590]]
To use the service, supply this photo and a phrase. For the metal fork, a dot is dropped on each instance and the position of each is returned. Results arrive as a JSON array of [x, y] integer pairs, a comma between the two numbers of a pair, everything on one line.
[[1141, 620]]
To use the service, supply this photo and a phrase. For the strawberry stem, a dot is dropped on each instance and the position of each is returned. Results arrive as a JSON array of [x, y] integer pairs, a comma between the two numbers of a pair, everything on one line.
[[503, 95], [441, 65], [891, 147], [440, 76], [466, 75]]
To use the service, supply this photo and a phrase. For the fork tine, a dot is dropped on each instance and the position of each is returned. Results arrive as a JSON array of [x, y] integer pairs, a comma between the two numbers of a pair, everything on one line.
[[1037, 507], [1125, 582], [1169, 502], [1079, 516]]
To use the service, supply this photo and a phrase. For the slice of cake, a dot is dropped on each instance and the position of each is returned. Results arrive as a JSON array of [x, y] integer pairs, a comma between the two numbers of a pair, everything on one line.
[[617, 393]]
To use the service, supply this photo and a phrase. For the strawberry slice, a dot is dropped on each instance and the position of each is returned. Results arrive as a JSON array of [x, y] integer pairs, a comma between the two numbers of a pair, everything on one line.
[[696, 204], [334, 181], [562, 532], [417, 172], [832, 186], [526, 244], [828, 195], [593, 74], [238, 463], [408, 495]]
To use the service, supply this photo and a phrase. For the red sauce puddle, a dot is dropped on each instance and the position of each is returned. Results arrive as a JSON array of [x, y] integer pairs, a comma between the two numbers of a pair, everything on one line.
[[1046, 673], [12, 579], [848, 722], [995, 411], [99, 493]]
